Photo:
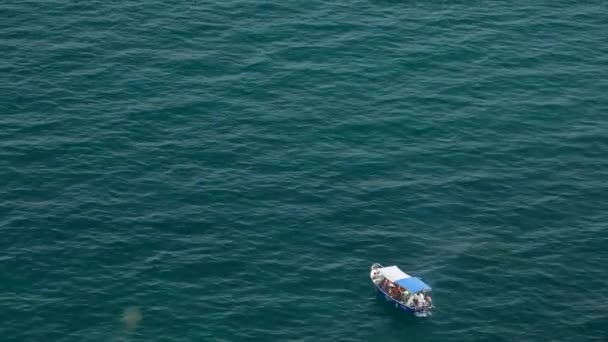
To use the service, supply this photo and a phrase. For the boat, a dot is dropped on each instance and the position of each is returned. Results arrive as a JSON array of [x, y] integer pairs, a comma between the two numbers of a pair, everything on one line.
[[399, 289]]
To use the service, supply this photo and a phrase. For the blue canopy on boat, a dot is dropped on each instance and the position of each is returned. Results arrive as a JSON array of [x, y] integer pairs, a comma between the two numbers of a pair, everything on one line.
[[413, 284]]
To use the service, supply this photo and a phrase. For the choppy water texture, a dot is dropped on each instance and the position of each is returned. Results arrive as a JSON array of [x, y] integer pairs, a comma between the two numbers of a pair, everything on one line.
[[228, 171]]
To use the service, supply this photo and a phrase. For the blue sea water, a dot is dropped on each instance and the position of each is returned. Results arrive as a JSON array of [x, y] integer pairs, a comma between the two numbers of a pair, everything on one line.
[[229, 170]]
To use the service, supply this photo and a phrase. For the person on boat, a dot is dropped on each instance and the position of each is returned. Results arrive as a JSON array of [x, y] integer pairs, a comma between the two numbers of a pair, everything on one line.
[[397, 294], [389, 286], [421, 300], [410, 301]]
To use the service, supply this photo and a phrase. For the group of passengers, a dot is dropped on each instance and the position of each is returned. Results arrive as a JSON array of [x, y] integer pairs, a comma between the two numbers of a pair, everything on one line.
[[413, 300]]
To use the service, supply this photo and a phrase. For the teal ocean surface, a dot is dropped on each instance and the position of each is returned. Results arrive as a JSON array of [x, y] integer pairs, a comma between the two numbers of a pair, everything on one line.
[[229, 170]]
